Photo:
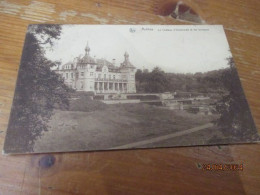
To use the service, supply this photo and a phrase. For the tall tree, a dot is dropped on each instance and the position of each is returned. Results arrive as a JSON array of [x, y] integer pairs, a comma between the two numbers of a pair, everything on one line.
[[158, 81], [38, 90], [236, 118]]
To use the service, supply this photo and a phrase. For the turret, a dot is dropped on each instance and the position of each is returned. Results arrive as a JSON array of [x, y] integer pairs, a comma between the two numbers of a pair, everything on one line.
[[127, 63], [126, 56], [87, 49]]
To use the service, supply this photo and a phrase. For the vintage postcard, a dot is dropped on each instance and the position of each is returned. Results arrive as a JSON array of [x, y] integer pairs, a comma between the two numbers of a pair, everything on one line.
[[110, 87]]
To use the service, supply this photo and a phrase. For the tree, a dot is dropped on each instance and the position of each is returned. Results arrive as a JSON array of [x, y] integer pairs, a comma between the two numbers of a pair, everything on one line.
[[235, 119], [157, 81], [139, 75], [38, 90]]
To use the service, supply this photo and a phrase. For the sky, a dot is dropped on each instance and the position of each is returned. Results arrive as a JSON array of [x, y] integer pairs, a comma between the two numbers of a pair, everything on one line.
[[175, 49]]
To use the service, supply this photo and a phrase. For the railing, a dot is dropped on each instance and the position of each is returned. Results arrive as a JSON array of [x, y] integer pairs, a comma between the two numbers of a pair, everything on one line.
[[113, 80], [110, 91]]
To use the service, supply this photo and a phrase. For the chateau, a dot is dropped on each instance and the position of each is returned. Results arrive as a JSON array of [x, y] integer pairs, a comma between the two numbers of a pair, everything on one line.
[[99, 75]]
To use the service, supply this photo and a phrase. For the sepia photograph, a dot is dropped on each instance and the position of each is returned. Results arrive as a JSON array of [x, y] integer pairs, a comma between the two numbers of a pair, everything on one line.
[[112, 87]]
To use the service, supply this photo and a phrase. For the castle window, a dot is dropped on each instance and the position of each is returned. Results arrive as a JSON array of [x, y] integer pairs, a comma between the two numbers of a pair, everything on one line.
[[82, 85], [109, 77], [82, 73], [99, 76], [67, 75], [91, 66], [71, 75], [114, 77], [105, 76]]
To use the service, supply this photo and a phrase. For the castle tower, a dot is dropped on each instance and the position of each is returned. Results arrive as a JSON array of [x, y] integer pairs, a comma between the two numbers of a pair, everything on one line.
[[126, 57], [128, 70], [87, 49]]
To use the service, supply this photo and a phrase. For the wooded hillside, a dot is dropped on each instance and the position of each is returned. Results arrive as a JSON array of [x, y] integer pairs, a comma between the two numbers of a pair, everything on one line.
[[157, 81]]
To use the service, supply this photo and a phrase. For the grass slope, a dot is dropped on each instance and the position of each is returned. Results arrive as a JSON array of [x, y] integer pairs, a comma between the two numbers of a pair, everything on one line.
[[115, 125]]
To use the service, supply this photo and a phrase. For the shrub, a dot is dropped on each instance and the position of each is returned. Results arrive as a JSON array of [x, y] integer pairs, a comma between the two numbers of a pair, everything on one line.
[[99, 97], [86, 104], [143, 97], [78, 94]]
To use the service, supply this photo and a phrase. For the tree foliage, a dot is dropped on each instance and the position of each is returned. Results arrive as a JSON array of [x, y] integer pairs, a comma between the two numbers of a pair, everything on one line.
[[236, 118], [38, 91], [152, 82], [159, 81]]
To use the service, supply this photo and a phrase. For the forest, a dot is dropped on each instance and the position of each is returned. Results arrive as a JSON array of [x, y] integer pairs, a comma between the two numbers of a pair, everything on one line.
[[157, 81]]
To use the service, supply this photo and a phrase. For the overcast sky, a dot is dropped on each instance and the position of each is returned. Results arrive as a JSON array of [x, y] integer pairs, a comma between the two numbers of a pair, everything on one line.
[[179, 49]]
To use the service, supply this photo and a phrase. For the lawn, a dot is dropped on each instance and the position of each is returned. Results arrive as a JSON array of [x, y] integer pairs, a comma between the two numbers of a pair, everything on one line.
[[113, 126]]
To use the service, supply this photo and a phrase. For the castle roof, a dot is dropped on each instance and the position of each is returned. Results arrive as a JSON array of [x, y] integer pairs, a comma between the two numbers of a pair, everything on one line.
[[68, 65], [87, 59], [103, 62], [127, 63]]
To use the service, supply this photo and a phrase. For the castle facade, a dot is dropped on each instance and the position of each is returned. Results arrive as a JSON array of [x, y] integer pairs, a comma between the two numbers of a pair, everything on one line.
[[99, 75]]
